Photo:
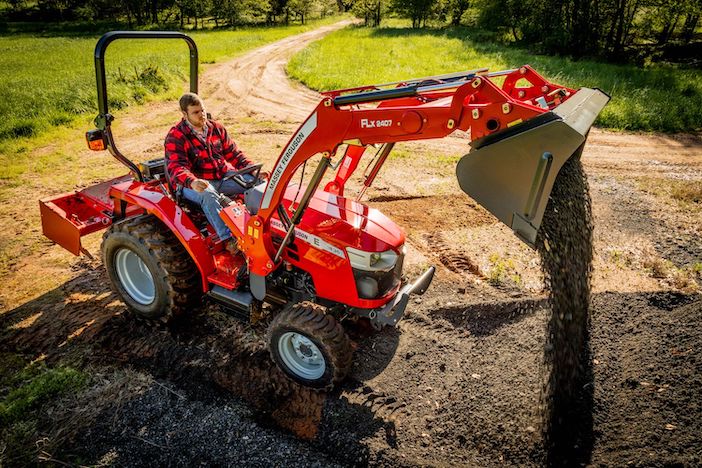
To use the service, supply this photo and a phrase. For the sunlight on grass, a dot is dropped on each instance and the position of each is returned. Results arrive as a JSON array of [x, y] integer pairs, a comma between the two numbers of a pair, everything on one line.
[[48, 81], [50, 102], [653, 99], [25, 390]]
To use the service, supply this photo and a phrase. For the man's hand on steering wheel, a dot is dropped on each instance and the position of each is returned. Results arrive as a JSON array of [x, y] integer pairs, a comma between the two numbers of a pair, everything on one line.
[[237, 176]]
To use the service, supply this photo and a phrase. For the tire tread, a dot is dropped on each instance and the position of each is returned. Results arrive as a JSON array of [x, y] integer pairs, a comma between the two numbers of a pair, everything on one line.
[[177, 269], [312, 320]]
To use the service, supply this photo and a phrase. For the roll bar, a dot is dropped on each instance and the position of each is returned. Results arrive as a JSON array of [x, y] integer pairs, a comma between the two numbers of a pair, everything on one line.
[[104, 118]]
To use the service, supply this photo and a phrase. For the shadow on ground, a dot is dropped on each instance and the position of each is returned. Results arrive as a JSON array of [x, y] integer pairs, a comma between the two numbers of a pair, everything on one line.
[[642, 375]]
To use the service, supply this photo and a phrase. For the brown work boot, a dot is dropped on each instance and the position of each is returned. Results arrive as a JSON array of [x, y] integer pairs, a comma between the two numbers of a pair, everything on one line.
[[231, 246]]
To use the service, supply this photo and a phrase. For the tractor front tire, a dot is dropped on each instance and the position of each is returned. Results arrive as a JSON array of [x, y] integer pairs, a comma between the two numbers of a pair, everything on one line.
[[150, 269], [310, 346]]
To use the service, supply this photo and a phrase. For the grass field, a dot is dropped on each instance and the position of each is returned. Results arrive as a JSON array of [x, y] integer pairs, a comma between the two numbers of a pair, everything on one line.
[[653, 99], [49, 102], [49, 81]]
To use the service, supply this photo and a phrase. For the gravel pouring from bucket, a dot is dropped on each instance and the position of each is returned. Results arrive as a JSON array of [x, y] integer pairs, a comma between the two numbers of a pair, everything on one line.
[[531, 178], [511, 172]]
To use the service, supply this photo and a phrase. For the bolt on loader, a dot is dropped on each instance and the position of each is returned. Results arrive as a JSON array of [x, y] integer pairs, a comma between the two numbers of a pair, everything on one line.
[[316, 257]]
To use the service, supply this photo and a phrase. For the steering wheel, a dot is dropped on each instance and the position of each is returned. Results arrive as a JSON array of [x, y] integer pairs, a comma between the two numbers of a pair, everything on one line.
[[236, 176]]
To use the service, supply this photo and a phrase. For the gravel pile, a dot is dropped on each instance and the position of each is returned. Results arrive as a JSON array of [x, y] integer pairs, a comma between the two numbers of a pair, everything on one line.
[[165, 427]]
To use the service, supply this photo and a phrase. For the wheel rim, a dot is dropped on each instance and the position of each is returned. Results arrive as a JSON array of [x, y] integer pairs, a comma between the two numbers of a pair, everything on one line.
[[135, 276], [301, 356]]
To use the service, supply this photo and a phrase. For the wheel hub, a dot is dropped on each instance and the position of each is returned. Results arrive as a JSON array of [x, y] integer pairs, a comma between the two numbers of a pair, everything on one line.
[[301, 356], [135, 277]]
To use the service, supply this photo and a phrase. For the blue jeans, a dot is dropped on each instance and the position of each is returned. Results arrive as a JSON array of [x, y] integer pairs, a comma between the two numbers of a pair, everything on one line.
[[210, 205]]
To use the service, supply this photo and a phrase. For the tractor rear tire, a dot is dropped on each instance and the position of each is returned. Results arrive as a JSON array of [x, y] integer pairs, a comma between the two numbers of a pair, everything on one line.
[[150, 269], [310, 346]]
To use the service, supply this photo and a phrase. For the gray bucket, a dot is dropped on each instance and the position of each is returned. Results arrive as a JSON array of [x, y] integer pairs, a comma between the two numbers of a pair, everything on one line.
[[511, 172]]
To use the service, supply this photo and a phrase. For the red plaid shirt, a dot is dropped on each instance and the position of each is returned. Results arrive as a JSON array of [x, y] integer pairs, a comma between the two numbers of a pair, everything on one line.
[[189, 157]]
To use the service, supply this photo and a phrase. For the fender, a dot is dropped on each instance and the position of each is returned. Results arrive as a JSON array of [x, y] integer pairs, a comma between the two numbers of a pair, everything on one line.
[[154, 202]]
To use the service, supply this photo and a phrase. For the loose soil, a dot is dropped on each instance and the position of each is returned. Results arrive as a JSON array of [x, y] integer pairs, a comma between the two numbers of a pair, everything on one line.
[[457, 383]]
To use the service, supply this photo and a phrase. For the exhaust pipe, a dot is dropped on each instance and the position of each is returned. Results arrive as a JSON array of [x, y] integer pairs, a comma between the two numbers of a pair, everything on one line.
[[511, 172]]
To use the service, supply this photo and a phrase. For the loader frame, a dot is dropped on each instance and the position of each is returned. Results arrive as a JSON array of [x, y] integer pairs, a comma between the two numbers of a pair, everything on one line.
[[424, 108]]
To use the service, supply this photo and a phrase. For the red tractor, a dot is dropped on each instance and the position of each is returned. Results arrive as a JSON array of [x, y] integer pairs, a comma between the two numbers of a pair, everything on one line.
[[313, 255]]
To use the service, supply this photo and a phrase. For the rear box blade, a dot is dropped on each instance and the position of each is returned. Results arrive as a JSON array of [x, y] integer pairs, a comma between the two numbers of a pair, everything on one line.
[[511, 172]]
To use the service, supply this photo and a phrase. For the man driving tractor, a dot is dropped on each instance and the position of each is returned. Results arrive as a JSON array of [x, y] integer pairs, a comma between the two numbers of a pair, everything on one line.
[[200, 154]]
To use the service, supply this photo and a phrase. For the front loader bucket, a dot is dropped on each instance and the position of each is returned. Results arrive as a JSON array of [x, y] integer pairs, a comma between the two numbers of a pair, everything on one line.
[[511, 172]]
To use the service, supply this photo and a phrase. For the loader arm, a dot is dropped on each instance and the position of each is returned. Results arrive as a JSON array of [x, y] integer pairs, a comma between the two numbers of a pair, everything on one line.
[[424, 108]]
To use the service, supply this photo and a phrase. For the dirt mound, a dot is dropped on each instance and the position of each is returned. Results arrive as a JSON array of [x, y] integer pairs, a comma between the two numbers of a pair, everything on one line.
[[458, 383], [214, 349], [161, 424]]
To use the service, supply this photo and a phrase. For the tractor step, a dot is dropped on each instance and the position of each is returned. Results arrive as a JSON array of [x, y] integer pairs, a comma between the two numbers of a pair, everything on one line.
[[239, 304], [227, 268]]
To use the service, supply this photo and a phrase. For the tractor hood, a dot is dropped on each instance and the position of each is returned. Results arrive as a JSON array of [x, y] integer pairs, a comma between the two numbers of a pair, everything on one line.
[[346, 223]]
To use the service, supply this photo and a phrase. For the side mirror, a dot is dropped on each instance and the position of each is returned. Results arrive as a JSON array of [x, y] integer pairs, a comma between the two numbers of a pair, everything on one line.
[[96, 140]]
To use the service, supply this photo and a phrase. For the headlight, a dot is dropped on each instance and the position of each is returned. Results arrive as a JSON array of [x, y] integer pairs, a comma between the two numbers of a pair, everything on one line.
[[372, 261]]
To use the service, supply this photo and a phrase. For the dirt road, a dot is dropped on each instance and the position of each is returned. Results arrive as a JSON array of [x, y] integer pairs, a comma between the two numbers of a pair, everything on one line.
[[458, 382]]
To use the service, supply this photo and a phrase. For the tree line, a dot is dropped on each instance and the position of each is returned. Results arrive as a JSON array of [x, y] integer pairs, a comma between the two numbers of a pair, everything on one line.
[[618, 30], [193, 13]]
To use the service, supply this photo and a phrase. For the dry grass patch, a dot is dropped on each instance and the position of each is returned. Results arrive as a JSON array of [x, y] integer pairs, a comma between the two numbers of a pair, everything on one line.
[[684, 279], [687, 194]]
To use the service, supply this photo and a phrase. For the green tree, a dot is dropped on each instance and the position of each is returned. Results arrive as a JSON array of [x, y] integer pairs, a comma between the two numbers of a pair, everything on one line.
[[195, 9], [456, 9], [16, 5], [371, 11], [345, 5], [278, 9], [416, 10], [301, 8], [329, 7]]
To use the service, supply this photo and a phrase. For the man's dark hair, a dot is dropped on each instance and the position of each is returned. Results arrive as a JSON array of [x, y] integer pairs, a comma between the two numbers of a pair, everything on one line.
[[189, 99]]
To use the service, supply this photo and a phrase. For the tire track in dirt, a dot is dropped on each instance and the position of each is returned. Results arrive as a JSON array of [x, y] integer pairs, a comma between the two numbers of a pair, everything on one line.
[[464, 266], [382, 405], [253, 84], [206, 349], [457, 262], [434, 331], [257, 83]]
